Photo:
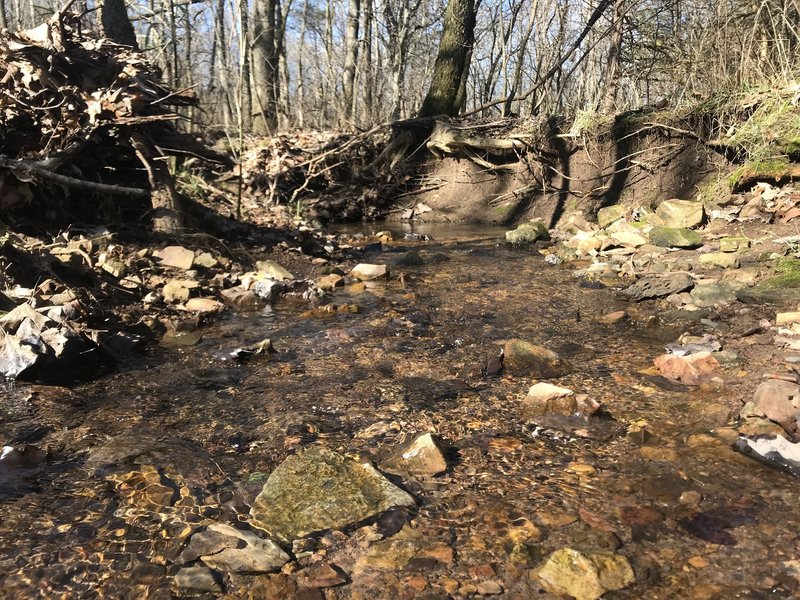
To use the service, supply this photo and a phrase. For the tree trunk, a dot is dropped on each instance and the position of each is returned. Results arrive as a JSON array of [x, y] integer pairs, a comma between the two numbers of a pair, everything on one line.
[[265, 65], [613, 63], [167, 216], [351, 56], [116, 24], [452, 62], [245, 95]]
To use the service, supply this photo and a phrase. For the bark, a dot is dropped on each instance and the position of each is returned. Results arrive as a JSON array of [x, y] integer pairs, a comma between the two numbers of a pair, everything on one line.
[[452, 62], [613, 64], [116, 24], [3, 18], [351, 56], [245, 96], [167, 216], [265, 65]]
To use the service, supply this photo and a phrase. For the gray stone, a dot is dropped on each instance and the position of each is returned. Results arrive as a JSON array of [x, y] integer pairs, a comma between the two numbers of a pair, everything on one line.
[[675, 237], [659, 286], [545, 399], [524, 358], [527, 233], [680, 213], [610, 214], [317, 489], [712, 294], [198, 579]]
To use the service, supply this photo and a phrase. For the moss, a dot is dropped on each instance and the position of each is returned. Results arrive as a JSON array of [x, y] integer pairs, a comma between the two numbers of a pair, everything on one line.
[[773, 169]]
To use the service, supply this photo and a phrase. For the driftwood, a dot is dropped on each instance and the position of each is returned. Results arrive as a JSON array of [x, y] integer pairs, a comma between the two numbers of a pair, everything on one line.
[[74, 105]]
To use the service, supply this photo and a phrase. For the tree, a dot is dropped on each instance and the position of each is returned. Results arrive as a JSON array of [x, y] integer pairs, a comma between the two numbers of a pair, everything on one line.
[[265, 63], [448, 84], [116, 24]]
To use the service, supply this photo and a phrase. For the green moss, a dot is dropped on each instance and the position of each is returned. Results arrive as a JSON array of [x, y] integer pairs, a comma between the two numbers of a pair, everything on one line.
[[772, 169]]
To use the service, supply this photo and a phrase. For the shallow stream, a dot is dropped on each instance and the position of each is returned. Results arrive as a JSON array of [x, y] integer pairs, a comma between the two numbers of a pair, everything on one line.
[[130, 465]]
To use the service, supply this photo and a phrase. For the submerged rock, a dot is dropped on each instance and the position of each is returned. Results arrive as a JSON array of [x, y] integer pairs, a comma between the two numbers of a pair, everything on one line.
[[775, 451], [692, 369], [523, 358], [198, 579], [318, 489], [232, 550], [545, 399], [585, 576], [421, 457]]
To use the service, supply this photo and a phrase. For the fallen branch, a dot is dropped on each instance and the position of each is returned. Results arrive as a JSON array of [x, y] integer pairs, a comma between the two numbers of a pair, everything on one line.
[[25, 170]]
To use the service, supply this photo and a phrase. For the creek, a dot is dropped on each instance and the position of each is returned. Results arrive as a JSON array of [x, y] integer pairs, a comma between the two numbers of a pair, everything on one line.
[[129, 465]]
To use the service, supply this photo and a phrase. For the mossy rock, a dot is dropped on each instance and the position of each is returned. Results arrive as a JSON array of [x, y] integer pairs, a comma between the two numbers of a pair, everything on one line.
[[783, 288], [675, 237], [528, 233]]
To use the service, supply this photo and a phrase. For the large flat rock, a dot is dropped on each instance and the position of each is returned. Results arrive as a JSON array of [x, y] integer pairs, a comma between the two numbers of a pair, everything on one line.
[[317, 489]]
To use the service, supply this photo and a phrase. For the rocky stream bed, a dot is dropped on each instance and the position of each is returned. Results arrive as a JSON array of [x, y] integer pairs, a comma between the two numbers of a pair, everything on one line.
[[434, 415]]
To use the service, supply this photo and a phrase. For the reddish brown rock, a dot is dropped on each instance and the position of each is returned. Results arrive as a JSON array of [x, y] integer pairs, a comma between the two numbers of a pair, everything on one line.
[[779, 401], [523, 358], [693, 369]]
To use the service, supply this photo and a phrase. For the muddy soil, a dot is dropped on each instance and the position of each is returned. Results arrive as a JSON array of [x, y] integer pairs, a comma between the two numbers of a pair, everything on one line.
[[122, 471]]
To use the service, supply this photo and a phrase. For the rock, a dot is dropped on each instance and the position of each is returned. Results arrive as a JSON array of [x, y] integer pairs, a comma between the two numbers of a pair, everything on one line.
[[787, 317], [546, 399], [612, 318], [528, 233], [585, 576], [181, 338], [628, 239], [523, 358], [330, 282], [422, 457], [680, 214], [268, 289], [175, 256], [659, 286], [771, 291], [411, 258], [320, 575], [273, 270], [317, 489], [610, 214], [205, 260], [715, 294], [178, 290], [241, 299], [693, 369], [232, 550], [675, 237], [198, 579], [368, 272], [204, 305], [409, 546], [733, 244], [489, 588], [779, 401], [777, 452], [721, 260]]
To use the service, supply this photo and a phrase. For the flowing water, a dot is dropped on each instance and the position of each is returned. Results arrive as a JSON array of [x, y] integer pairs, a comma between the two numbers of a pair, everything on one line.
[[121, 471]]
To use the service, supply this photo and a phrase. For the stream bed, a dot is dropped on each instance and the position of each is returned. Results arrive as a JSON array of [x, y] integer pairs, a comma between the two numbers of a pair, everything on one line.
[[116, 475]]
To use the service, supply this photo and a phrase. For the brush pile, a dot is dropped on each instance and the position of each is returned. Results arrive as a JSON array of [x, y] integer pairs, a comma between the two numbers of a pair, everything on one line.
[[78, 112]]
